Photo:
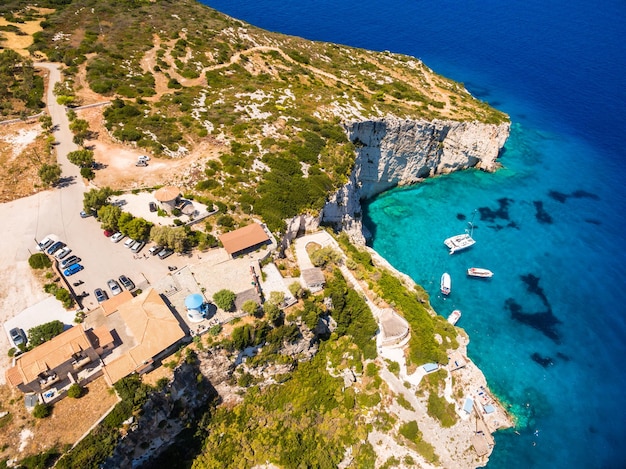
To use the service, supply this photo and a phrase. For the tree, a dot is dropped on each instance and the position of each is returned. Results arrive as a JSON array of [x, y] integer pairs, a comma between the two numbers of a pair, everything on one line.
[[44, 332], [277, 297], [41, 411], [224, 299], [138, 228], [75, 391], [250, 307], [272, 312], [81, 158], [96, 198], [87, 173], [124, 220], [109, 216], [296, 289], [46, 122], [50, 174]]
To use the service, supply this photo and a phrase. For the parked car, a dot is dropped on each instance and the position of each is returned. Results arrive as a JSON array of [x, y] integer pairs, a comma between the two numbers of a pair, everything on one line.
[[70, 260], [165, 253], [17, 337], [129, 242], [154, 250], [101, 295], [114, 287], [45, 243], [61, 253], [141, 163], [108, 233], [138, 246], [127, 283], [152, 206], [117, 237], [55, 247], [84, 214], [72, 269], [143, 158]]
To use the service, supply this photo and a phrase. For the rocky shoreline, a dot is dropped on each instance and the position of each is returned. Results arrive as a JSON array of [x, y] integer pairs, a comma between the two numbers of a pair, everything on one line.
[[393, 152]]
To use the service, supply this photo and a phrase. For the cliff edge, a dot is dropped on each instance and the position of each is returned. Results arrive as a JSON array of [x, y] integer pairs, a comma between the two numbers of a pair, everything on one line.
[[392, 151]]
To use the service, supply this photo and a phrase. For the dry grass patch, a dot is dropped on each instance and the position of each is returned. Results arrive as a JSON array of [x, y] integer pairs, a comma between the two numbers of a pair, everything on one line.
[[22, 435], [22, 152]]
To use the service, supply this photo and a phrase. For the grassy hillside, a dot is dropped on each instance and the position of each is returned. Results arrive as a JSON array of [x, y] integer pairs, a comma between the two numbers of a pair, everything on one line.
[[180, 73]]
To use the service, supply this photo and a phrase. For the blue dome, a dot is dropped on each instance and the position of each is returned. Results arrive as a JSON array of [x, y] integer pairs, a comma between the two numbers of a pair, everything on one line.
[[194, 301]]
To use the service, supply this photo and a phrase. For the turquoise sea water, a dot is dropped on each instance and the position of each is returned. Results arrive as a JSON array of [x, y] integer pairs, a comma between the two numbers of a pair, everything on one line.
[[548, 330]]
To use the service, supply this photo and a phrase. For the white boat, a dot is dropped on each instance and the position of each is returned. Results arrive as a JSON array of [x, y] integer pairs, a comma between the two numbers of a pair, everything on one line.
[[459, 242], [462, 241], [478, 272], [454, 316], [446, 283]]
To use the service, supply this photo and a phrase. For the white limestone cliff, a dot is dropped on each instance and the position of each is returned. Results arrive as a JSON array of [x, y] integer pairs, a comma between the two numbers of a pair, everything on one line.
[[392, 152]]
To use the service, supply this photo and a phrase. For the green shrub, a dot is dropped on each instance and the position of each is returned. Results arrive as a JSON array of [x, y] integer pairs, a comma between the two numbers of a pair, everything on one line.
[[224, 299], [39, 261], [41, 411], [44, 332], [75, 391]]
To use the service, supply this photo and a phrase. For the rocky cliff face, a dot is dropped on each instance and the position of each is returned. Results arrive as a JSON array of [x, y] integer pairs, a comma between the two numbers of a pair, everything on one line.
[[393, 152]]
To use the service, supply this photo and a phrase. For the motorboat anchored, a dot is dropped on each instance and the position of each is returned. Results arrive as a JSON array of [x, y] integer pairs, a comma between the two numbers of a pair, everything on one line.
[[478, 272], [446, 283], [454, 316], [461, 241]]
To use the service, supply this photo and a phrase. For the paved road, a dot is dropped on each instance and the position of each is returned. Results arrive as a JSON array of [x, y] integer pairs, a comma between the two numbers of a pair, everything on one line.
[[58, 213]]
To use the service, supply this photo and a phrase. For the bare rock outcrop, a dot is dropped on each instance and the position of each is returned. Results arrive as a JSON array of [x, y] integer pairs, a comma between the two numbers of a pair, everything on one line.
[[392, 152]]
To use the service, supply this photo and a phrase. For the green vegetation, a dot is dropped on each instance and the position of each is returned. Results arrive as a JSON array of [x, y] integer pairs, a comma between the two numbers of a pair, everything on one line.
[[323, 256], [224, 299], [21, 92], [41, 460], [100, 443], [278, 104], [41, 411], [94, 199], [411, 432], [308, 421], [352, 314], [75, 391], [60, 293], [39, 334], [49, 174], [39, 261]]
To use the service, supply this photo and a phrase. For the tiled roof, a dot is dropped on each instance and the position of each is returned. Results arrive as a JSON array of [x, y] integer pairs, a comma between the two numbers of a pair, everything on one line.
[[48, 355], [153, 326], [244, 238]]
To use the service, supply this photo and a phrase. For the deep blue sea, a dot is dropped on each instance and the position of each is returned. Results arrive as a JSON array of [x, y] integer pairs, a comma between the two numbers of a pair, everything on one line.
[[549, 329]]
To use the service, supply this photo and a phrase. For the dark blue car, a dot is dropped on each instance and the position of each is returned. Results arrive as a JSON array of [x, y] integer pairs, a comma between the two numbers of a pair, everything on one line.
[[55, 247]]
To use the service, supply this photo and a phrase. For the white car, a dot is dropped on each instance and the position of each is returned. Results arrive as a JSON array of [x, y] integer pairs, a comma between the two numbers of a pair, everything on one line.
[[45, 243], [117, 237], [129, 242], [143, 159], [61, 253]]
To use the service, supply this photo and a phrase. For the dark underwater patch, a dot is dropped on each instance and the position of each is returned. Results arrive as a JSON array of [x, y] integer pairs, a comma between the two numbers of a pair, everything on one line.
[[563, 357], [577, 194], [558, 196], [541, 214], [501, 213], [461, 216], [582, 194], [593, 221], [543, 321], [543, 361]]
